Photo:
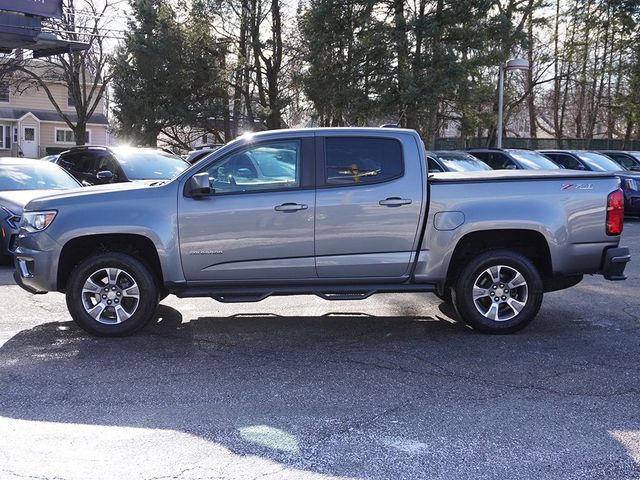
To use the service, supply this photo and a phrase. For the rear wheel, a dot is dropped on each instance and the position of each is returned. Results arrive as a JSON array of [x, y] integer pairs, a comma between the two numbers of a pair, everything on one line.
[[111, 294], [498, 292]]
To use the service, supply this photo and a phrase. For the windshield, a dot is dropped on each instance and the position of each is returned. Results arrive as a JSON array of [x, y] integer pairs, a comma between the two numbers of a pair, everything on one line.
[[635, 155], [41, 176], [533, 160], [598, 162], [142, 164], [461, 162]]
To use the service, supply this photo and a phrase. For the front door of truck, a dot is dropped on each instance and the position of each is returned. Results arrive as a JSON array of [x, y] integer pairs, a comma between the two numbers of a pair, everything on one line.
[[368, 205], [258, 224]]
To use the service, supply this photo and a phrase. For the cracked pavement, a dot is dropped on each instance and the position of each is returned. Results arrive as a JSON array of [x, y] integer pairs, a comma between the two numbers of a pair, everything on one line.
[[392, 387]]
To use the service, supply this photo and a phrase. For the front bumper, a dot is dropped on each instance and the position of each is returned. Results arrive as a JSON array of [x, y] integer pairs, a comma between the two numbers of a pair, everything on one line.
[[36, 262], [614, 261]]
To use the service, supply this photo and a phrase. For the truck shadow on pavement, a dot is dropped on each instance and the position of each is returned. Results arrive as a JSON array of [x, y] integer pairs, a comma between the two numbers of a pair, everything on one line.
[[346, 394]]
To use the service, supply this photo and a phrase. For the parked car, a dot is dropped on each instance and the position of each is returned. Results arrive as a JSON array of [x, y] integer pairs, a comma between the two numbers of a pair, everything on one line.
[[454, 161], [93, 165], [202, 151], [355, 214], [629, 160], [20, 181], [513, 159], [598, 162]]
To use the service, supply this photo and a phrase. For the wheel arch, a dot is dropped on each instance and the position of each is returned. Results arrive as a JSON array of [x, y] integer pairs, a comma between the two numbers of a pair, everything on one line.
[[77, 249], [530, 243]]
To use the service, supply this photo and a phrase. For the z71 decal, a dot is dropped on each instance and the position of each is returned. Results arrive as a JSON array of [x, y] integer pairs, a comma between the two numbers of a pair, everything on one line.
[[577, 186]]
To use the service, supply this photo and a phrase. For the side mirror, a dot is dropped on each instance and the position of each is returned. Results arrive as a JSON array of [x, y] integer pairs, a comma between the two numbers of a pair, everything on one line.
[[511, 167], [635, 168], [105, 176], [199, 185]]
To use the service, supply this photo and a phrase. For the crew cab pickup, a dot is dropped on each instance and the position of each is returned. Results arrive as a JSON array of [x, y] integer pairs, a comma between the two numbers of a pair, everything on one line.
[[338, 213]]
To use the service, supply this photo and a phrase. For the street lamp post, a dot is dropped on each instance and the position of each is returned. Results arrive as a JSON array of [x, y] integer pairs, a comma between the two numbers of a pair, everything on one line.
[[515, 64]]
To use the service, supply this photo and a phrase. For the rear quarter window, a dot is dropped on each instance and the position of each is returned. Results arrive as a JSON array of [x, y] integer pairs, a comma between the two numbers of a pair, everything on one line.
[[358, 161]]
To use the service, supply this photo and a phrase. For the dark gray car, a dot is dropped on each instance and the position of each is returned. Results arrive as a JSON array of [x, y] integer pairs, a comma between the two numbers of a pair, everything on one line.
[[22, 180]]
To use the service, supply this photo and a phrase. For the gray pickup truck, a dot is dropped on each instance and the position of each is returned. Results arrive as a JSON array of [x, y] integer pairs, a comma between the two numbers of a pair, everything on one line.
[[338, 213]]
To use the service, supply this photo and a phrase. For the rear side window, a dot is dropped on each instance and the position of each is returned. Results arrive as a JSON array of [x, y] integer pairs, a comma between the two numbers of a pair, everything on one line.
[[356, 161]]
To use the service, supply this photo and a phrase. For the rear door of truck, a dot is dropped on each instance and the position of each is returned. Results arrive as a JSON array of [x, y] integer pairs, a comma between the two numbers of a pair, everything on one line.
[[369, 203]]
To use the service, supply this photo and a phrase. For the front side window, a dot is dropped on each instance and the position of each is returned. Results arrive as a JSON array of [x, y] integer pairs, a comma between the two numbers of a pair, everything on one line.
[[356, 161], [270, 166], [567, 161]]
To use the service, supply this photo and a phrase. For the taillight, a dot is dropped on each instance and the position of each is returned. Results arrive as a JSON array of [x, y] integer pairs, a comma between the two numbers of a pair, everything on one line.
[[615, 212]]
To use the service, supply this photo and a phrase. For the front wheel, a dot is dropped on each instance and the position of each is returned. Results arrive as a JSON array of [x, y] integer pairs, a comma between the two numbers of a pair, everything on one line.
[[111, 294], [498, 292]]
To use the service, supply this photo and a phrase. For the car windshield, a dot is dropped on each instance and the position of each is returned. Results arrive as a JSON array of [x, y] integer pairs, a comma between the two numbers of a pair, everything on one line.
[[41, 176], [635, 155], [533, 160], [461, 162], [143, 164], [599, 163]]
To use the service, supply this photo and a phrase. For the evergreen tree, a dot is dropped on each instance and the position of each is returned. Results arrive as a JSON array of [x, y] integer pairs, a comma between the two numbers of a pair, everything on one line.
[[149, 84]]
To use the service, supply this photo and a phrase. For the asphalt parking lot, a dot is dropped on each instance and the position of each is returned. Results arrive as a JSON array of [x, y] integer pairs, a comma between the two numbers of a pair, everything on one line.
[[392, 387]]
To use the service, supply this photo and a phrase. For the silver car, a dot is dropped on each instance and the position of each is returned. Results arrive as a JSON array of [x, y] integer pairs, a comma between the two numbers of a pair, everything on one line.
[[22, 180]]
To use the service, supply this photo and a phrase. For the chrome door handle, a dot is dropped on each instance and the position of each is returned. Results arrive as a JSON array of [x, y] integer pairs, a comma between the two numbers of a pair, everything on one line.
[[395, 201], [291, 207]]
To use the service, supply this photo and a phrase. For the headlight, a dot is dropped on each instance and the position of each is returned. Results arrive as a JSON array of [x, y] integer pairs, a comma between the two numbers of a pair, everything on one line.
[[630, 184], [37, 221]]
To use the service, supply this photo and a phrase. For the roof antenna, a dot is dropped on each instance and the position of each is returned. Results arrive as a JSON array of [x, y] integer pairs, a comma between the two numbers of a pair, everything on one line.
[[397, 124]]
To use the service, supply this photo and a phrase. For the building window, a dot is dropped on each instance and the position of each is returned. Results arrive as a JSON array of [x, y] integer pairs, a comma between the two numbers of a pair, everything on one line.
[[66, 135], [4, 90], [5, 133]]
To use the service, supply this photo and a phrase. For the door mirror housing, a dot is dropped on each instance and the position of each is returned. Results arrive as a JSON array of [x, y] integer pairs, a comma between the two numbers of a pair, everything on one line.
[[199, 185]]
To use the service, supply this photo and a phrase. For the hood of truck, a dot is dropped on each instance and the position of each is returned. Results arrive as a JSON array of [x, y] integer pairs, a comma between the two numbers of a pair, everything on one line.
[[88, 195]]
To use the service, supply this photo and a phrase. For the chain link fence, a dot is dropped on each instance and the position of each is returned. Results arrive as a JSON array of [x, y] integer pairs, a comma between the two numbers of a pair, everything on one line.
[[540, 143]]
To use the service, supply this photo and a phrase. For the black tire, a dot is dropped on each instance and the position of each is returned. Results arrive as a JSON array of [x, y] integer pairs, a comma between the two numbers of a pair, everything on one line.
[[504, 316], [140, 312]]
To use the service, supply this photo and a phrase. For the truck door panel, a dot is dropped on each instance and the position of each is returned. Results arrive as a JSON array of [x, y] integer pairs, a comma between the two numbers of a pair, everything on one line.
[[259, 223], [368, 206]]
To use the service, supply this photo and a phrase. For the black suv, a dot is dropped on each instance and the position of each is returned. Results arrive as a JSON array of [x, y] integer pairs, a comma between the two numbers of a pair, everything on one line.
[[513, 159], [599, 162], [100, 165]]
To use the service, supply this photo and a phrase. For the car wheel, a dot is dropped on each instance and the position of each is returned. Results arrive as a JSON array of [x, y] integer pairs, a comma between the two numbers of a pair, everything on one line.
[[111, 294], [498, 292]]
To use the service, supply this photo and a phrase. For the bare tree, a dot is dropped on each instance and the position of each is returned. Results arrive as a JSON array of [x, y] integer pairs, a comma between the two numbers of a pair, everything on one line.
[[85, 73]]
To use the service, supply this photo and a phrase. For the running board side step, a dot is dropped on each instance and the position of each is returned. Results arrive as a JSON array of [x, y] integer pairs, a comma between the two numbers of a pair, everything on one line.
[[237, 294]]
